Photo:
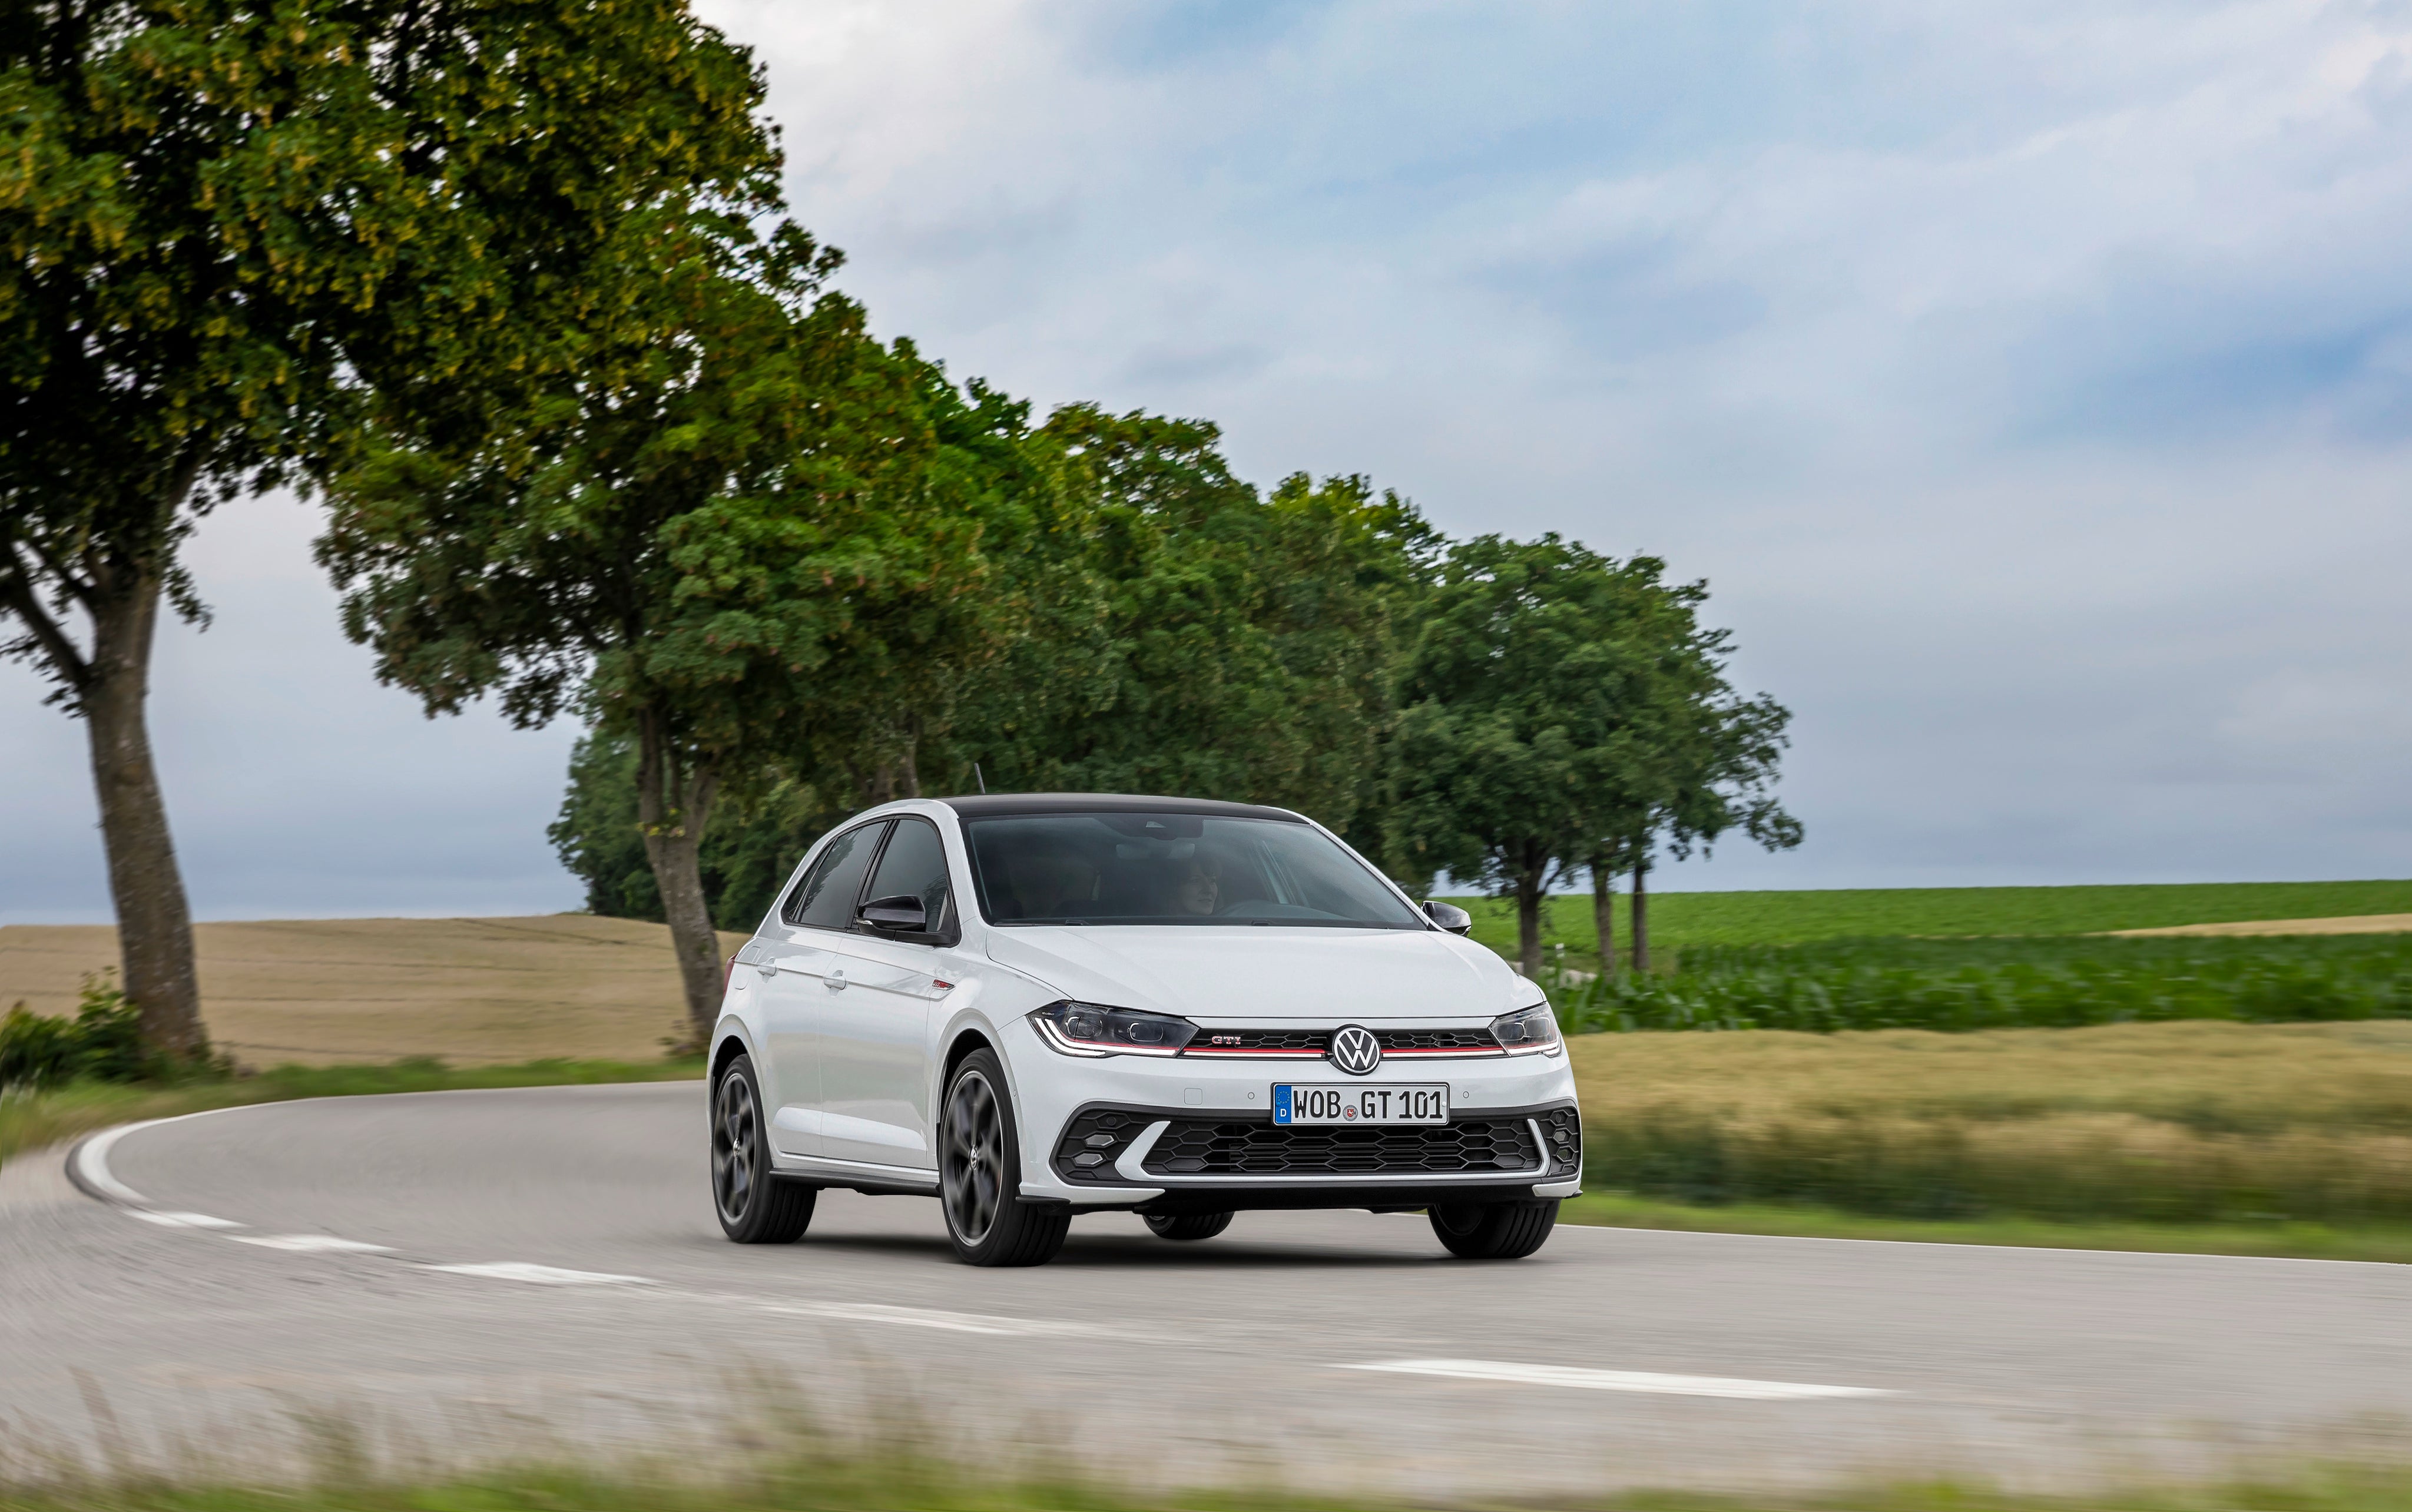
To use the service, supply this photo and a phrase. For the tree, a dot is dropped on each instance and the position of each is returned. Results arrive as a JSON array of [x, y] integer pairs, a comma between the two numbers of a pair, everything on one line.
[[1189, 636], [1524, 702], [236, 234], [724, 548]]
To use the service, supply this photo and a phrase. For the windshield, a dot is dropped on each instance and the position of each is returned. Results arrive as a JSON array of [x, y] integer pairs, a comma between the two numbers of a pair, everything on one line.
[[1174, 869]]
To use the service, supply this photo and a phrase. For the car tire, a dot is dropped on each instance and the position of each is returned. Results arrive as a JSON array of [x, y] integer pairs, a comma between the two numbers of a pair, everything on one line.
[[979, 1173], [1494, 1230], [754, 1205], [1184, 1227]]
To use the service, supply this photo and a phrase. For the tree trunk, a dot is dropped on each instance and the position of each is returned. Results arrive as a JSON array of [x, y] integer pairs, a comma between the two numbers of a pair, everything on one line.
[[1528, 923], [1642, 911], [673, 800], [154, 923], [1603, 912]]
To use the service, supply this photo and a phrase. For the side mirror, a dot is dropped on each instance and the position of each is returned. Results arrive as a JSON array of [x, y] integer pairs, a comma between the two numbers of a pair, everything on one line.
[[902, 912], [1449, 916]]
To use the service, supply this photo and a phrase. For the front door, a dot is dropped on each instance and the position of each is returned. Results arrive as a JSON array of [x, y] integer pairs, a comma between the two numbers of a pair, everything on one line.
[[874, 1014], [796, 972]]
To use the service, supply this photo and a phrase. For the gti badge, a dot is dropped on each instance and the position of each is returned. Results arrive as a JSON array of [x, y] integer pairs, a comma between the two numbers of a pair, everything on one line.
[[1355, 1050]]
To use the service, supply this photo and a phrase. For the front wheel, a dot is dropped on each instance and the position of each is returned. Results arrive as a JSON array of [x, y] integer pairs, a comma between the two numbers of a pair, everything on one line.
[[754, 1207], [979, 1174], [1494, 1230], [1189, 1226]]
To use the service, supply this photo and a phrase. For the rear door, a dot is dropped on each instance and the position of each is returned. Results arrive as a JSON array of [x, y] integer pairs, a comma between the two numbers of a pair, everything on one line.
[[796, 969], [873, 1023]]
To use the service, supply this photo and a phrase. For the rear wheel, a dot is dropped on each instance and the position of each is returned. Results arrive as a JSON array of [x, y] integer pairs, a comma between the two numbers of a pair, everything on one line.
[[754, 1207], [979, 1174], [1494, 1230], [1187, 1225]]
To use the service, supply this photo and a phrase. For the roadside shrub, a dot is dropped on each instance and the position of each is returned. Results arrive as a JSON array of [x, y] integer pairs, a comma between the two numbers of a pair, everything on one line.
[[103, 1042], [2045, 983]]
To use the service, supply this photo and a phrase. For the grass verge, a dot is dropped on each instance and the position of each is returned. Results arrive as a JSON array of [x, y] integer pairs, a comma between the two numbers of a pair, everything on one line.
[[825, 1483], [2293, 1242], [32, 1121]]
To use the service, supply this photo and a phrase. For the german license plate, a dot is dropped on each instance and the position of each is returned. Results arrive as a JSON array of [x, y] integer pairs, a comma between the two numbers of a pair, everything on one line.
[[1417, 1103]]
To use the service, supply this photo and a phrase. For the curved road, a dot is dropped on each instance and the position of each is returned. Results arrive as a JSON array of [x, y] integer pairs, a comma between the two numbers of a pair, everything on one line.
[[467, 1274]]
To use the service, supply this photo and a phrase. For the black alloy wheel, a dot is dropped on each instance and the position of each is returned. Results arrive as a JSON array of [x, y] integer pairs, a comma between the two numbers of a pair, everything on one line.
[[1189, 1226], [979, 1174], [755, 1206], [1494, 1230]]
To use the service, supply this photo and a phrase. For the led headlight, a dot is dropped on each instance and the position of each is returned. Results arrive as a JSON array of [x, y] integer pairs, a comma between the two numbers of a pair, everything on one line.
[[1090, 1029], [1532, 1031]]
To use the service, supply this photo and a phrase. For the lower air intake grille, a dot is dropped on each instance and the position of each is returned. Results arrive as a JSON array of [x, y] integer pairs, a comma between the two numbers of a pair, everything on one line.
[[1197, 1148]]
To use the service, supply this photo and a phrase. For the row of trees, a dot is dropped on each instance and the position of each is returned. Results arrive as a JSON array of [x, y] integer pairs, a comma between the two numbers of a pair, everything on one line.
[[510, 289]]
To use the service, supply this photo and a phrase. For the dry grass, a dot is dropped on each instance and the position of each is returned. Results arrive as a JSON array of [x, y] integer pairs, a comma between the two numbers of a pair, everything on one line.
[[330, 992], [2171, 1122]]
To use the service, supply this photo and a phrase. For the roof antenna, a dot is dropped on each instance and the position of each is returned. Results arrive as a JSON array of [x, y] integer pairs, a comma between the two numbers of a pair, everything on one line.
[[982, 780]]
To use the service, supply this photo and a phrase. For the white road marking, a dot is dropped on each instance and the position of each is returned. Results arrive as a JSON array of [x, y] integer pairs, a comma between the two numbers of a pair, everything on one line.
[[308, 1242], [1679, 1386], [923, 1317], [543, 1275], [181, 1220]]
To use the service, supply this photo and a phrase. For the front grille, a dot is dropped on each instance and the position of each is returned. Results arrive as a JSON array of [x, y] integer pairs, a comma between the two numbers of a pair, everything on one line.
[[1395, 1040], [1304, 1043], [1259, 1042], [1195, 1147]]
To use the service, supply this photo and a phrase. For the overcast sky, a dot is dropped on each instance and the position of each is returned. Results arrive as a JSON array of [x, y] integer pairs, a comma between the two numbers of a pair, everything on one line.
[[2031, 384]]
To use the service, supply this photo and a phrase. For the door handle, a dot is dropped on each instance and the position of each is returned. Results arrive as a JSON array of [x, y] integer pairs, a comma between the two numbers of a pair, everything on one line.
[[835, 980]]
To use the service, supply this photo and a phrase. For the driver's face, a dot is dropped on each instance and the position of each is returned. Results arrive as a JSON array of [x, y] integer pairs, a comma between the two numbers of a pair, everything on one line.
[[1198, 892]]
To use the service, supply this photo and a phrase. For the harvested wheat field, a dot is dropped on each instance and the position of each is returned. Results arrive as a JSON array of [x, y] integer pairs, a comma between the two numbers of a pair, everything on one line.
[[2183, 1122], [2350, 924], [470, 990]]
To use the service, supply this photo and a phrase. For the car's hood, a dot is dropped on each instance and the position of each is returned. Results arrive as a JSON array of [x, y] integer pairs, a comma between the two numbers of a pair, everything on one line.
[[1247, 974]]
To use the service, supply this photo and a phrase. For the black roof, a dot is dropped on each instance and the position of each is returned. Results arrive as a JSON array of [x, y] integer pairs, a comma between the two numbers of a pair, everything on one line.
[[992, 805]]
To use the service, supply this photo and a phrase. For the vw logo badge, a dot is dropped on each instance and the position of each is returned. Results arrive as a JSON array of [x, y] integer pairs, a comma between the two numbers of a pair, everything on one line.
[[1355, 1050]]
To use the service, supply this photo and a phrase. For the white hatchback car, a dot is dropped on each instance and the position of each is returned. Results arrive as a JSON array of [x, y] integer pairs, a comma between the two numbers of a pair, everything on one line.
[[1032, 1006]]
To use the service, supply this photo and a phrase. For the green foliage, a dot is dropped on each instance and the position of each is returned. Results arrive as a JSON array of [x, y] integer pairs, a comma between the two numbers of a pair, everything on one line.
[[1787, 917], [103, 1042], [1190, 637], [1560, 712], [745, 855], [2044, 982]]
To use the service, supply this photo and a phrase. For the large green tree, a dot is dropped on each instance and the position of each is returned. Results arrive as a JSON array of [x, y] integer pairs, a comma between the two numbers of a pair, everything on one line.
[[237, 232], [1527, 711], [730, 550]]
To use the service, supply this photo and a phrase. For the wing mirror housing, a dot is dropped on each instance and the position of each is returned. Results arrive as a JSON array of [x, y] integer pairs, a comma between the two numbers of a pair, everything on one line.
[[1449, 916], [902, 912]]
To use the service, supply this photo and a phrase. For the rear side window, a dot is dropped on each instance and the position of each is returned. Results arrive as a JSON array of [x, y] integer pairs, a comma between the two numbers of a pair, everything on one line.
[[914, 865], [826, 897]]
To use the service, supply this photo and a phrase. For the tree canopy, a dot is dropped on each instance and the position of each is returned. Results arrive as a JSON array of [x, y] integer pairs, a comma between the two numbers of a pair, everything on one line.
[[238, 234]]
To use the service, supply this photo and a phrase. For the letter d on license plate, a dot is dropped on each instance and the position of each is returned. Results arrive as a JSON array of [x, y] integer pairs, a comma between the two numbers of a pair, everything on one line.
[[1420, 1103]]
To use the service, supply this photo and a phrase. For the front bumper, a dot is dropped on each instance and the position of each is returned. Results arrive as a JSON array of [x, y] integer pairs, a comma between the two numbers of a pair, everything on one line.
[[1218, 1115]]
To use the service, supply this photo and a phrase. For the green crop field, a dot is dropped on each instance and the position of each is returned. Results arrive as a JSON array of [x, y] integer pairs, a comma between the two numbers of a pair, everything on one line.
[[1681, 919]]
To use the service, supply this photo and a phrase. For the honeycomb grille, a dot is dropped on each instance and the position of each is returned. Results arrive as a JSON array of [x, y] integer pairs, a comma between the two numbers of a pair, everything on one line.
[[1563, 1128], [1438, 1039], [1198, 1147]]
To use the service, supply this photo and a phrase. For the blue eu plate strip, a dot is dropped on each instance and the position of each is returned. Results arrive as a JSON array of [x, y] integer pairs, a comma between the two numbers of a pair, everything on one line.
[[1281, 1105]]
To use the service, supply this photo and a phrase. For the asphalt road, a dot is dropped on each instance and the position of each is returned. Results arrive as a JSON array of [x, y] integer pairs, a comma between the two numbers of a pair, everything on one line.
[[462, 1275]]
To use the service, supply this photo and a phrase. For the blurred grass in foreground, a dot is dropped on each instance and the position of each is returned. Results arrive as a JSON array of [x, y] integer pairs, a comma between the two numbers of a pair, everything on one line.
[[828, 1483], [2169, 1123], [33, 1120], [2038, 981], [1681, 919]]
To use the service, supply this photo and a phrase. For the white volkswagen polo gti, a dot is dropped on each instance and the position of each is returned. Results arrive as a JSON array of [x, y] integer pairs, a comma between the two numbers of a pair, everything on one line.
[[1034, 1006]]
